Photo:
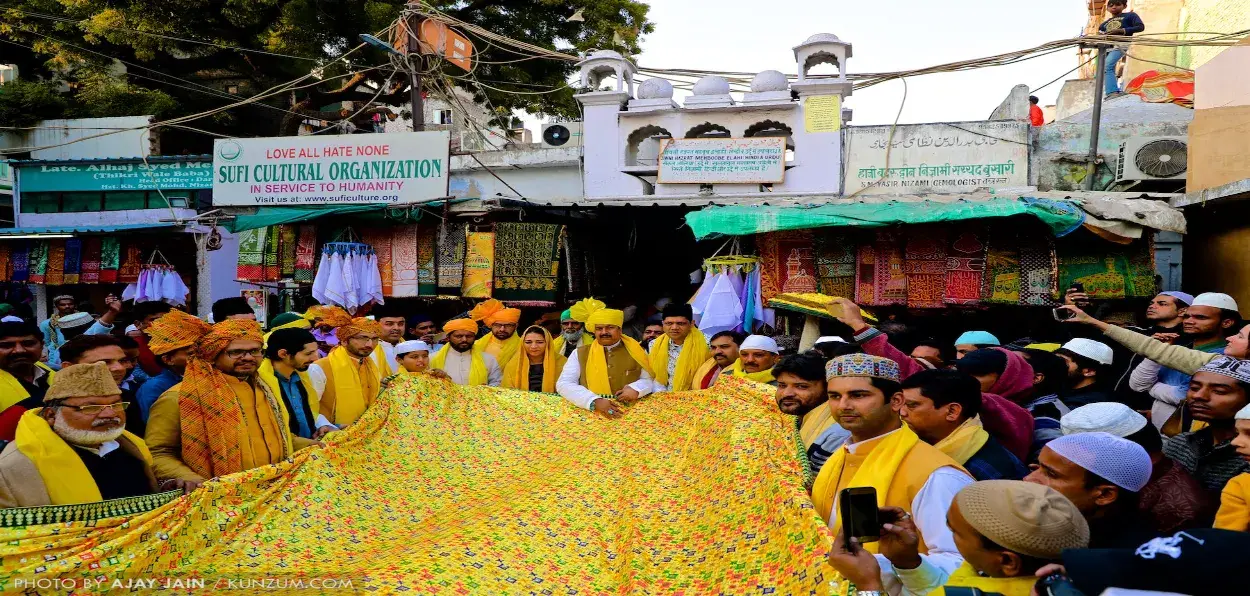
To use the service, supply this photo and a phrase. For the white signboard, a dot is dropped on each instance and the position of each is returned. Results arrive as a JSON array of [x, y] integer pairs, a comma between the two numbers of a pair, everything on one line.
[[395, 168], [937, 158], [723, 161]]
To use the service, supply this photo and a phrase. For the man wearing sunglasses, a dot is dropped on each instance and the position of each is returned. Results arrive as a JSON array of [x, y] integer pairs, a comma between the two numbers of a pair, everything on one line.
[[75, 449]]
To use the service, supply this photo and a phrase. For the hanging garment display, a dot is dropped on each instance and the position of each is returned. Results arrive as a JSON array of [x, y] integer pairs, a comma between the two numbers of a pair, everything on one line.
[[789, 262], [21, 261], [1038, 270], [91, 254], [38, 261], [132, 263], [427, 260], [865, 274], [404, 282], [386, 243], [965, 266], [55, 274], [110, 259], [479, 265], [306, 253], [891, 281], [835, 264], [1108, 271], [1002, 269], [270, 258], [348, 276], [287, 242], [6, 261], [451, 238], [158, 283], [73, 261], [722, 311], [924, 264], [252, 255], [527, 263]]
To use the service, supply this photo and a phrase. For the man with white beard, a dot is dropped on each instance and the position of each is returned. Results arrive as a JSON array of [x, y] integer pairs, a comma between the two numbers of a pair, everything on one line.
[[75, 449]]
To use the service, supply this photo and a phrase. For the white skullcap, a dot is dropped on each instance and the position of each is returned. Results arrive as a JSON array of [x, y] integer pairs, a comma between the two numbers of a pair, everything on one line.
[[1242, 414], [11, 319], [1108, 417], [1216, 300], [760, 342], [412, 345], [1122, 462], [1094, 350], [830, 339], [78, 319], [130, 328]]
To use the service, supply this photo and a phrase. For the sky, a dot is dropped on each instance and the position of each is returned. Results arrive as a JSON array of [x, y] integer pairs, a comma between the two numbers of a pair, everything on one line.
[[886, 35]]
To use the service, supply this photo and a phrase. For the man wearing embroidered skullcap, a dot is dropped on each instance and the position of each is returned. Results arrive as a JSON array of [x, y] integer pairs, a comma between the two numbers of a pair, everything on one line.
[[348, 379], [324, 320], [974, 340], [465, 361], [171, 339], [1006, 531], [915, 482], [801, 393], [221, 418], [502, 342], [1173, 500], [1218, 391], [75, 449], [680, 351], [573, 333], [1102, 475], [1234, 512], [609, 374], [757, 356], [724, 349]]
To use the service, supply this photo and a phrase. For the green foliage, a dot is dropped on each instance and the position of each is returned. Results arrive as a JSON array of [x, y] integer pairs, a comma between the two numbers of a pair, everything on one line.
[[23, 103], [103, 98]]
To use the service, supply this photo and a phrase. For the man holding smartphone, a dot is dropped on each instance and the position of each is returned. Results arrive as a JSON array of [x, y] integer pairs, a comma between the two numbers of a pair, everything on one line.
[[913, 477]]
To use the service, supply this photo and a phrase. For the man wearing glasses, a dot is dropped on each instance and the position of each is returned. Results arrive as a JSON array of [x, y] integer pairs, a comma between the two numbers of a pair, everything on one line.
[[75, 449]]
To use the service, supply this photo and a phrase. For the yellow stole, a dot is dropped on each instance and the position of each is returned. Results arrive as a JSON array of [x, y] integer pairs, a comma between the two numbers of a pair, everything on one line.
[[503, 351], [517, 374], [965, 441], [597, 364], [65, 476], [11, 391], [693, 352], [966, 577], [587, 339], [1234, 511], [477, 366], [815, 423], [381, 362], [764, 376], [877, 471], [352, 394], [270, 378]]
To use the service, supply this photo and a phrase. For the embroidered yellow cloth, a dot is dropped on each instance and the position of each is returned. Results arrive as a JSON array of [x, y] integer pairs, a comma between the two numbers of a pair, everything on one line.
[[490, 491]]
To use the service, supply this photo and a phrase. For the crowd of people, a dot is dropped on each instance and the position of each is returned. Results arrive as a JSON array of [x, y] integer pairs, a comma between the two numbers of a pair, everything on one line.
[[994, 464]]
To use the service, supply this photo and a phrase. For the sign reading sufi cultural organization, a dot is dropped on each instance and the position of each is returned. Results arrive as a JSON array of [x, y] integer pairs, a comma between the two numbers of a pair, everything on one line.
[[394, 168], [723, 161], [937, 158]]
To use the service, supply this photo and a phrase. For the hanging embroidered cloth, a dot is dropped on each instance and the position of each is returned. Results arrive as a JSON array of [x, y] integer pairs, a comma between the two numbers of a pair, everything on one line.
[[306, 253], [787, 263], [835, 264], [451, 237], [21, 261], [965, 266], [270, 258], [714, 478], [132, 264], [1038, 270], [924, 263], [73, 260], [91, 255], [1002, 269], [38, 261], [427, 259], [865, 274], [403, 262], [110, 259], [386, 242], [1107, 270], [287, 234], [55, 274], [890, 280], [527, 263], [6, 261], [252, 254], [479, 265]]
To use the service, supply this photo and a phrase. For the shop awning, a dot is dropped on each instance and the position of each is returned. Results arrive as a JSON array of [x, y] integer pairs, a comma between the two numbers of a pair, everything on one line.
[[74, 230], [1062, 213], [273, 216]]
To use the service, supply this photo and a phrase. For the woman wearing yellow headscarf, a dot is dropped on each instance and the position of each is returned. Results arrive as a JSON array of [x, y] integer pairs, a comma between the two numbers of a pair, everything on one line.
[[536, 366]]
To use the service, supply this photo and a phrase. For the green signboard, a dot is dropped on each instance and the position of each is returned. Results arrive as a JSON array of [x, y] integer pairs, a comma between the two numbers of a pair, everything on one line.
[[119, 175]]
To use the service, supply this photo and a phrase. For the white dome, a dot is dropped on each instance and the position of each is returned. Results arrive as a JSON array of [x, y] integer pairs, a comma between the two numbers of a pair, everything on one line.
[[605, 54], [822, 38], [769, 80], [711, 85], [655, 89]]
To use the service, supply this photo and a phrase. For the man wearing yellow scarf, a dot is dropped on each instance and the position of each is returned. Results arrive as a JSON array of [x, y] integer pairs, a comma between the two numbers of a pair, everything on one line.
[[801, 393], [289, 353], [943, 408], [221, 418], [347, 380], [912, 477], [464, 361], [1005, 530], [609, 374], [75, 449], [756, 359], [23, 378], [502, 342], [676, 355]]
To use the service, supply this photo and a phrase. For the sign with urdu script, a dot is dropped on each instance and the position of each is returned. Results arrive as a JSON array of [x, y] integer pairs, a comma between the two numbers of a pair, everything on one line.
[[946, 157], [394, 168]]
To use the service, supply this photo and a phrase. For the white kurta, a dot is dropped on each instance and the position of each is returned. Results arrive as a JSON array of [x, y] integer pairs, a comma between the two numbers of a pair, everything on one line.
[[569, 384], [458, 364]]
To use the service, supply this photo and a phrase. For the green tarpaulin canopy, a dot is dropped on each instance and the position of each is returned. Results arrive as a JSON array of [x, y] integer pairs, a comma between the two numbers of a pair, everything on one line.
[[740, 220]]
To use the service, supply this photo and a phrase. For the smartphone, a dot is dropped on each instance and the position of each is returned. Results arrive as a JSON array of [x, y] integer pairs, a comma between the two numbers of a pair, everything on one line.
[[1078, 286], [1062, 315], [859, 514]]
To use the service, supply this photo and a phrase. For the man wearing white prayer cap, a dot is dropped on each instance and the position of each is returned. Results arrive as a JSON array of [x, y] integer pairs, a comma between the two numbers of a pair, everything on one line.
[[1173, 499], [756, 357], [832, 346], [1087, 361], [1102, 475], [413, 355]]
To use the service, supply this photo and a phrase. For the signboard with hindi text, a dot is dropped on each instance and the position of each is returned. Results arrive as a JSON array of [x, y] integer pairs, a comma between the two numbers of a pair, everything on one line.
[[754, 160], [394, 168], [937, 158]]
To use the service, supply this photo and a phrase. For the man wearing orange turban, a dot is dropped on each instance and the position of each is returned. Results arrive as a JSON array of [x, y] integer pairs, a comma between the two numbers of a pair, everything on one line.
[[463, 360], [610, 373], [170, 338], [220, 419], [348, 379], [502, 342], [324, 320]]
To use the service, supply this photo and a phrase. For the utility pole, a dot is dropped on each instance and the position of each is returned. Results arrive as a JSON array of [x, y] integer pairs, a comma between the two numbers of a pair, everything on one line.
[[1100, 80], [414, 74]]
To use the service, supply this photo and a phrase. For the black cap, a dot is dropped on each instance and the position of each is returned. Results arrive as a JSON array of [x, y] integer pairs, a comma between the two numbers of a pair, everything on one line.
[[1199, 562], [679, 309]]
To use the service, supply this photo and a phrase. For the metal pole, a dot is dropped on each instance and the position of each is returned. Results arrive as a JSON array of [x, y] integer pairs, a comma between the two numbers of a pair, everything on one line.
[[1100, 80], [414, 76]]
